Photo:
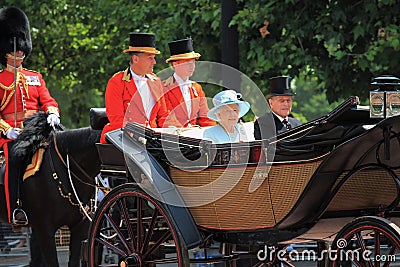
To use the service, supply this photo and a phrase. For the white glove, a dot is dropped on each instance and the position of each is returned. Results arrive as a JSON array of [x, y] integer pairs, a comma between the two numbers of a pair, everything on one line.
[[13, 133], [53, 119]]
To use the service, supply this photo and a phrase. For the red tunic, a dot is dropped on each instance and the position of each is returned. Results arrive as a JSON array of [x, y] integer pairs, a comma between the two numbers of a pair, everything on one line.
[[176, 103], [32, 95], [35, 96], [122, 97]]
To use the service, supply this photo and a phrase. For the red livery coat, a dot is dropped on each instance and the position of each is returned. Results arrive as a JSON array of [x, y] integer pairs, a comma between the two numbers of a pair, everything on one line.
[[176, 104], [122, 97]]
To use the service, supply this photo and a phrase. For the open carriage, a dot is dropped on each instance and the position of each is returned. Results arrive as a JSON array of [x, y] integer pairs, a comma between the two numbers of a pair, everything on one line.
[[178, 200]]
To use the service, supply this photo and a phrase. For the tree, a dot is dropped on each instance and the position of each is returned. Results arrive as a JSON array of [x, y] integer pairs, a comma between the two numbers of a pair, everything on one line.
[[339, 45], [77, 45], [343, 44]]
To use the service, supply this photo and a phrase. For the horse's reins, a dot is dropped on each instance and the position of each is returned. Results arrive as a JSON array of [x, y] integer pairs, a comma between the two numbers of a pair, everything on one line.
[[67, 166], [73, 161]]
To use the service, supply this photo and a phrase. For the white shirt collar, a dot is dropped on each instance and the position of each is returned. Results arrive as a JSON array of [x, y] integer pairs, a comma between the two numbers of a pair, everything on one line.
[[279, 117], [137, 77], [180, 81]]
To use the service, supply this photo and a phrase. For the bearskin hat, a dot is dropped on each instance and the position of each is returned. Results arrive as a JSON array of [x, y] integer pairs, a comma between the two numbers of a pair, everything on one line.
[[14, 23]]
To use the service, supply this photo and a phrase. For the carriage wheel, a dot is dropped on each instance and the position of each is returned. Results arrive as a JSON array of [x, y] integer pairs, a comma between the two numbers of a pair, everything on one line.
[[132, 229], [367, 242]]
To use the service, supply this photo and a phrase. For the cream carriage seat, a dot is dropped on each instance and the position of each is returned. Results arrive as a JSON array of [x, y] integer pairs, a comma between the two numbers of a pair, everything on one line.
[[198, 132]]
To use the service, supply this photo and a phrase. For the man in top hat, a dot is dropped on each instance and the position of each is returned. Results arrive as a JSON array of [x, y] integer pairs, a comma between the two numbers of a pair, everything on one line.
[[24, 92], [136, 92], [280, 101], [185, 99]]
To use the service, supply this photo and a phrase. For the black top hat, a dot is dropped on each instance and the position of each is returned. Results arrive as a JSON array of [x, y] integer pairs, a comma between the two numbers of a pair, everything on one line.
[[142, 42], [182, 49], [280, 86], [14, 23]]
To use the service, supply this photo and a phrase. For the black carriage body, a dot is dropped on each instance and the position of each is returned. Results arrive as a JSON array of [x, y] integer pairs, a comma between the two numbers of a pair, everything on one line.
[[280, 188]]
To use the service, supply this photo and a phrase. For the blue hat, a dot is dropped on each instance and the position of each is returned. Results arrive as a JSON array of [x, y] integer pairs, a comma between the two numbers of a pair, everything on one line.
[[227, 97]]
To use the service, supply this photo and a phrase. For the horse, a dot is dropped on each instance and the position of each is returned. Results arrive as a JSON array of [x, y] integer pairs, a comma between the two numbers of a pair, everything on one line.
[[47, 196]]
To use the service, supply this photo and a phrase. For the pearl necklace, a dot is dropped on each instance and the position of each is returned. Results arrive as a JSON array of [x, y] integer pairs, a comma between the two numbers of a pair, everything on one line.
[[233, 136]]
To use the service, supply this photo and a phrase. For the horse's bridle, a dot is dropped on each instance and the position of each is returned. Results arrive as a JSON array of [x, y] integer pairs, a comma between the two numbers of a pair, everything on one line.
[[83, 210], [73, 161]]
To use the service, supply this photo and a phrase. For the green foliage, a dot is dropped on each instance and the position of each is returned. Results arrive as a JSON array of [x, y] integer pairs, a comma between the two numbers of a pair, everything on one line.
[[343, 44], [332, 49]]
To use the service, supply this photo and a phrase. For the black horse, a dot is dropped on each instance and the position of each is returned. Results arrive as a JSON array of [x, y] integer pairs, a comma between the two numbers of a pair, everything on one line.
[[48, 196]]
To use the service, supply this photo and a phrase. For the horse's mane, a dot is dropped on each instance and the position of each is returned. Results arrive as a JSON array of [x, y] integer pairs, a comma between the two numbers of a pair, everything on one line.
[[36, 130]]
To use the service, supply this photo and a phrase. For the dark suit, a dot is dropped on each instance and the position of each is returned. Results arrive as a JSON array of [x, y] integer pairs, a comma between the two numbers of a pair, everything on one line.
[[263, 129]]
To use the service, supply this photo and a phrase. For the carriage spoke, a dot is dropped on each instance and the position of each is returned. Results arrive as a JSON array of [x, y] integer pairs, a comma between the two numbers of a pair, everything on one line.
[[111, 246], [149, 232], [118, 232], [139, 222], [125, 217], [377, 246], [363, 248], [391, 253], [157, 244], [130, 232]]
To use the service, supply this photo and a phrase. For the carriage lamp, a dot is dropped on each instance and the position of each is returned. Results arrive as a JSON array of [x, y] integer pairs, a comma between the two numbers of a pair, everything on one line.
[[385, 99]]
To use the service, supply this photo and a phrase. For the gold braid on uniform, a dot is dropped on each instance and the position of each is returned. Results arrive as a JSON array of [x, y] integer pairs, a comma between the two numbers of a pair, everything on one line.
[[4, 126], [11, 86], [10, 89]]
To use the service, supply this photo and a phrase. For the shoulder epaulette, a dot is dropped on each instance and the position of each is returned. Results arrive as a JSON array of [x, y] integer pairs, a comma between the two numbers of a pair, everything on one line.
[[117, 73], [34, 71], [169, 81], [127, 76]]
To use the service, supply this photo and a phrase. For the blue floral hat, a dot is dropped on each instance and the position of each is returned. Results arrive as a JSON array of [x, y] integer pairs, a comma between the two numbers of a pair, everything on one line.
[[227, 97]]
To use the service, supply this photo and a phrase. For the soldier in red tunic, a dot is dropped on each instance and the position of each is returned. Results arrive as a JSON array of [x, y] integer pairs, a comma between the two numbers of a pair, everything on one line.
[[185, 98], [22, 93], [136, 94]]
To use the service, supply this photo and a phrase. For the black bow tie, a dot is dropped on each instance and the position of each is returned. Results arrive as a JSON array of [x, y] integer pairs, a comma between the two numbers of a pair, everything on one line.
[[287, 124]]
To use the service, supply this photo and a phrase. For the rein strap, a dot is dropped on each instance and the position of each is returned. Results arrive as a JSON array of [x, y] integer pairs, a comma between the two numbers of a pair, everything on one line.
[[72, 160]]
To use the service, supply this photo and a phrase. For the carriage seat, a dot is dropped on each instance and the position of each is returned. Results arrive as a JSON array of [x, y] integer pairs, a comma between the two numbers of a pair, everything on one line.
[[98, 118], [198, 132], [112, 164], [112, 159]]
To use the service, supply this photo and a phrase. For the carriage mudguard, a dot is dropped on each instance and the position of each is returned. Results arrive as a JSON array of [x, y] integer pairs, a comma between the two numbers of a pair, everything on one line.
[[166, 191]]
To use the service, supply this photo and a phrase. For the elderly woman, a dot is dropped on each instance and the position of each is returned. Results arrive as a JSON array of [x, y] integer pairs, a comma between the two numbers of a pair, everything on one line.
[[226, 112]]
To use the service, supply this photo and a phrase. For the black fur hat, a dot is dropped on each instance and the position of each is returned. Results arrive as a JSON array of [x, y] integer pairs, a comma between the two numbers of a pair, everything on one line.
[[14, 23]]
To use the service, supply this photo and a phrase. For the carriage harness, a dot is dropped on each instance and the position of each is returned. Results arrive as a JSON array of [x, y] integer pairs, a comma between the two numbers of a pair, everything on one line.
[[85, 209]]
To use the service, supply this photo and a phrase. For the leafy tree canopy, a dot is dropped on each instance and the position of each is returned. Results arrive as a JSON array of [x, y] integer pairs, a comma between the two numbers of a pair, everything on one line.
[[342, 44], [332, 49]]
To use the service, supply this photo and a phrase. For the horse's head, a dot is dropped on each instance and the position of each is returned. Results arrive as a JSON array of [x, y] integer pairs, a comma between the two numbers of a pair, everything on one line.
[[80, 146]]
